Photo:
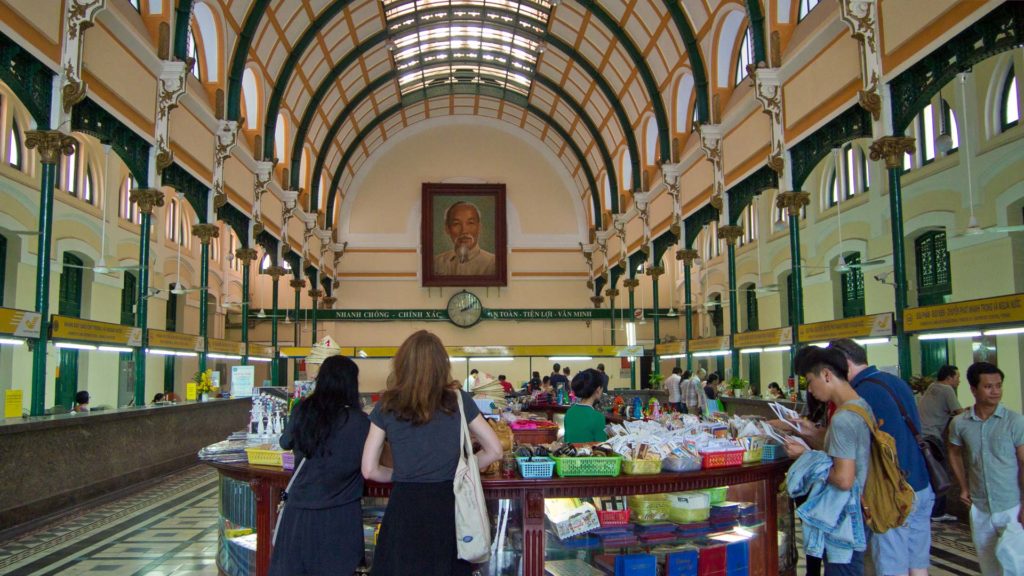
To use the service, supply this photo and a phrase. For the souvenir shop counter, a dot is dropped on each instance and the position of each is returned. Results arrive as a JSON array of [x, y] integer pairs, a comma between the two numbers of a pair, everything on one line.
[[249, 496], [551, 409], [755, 406]]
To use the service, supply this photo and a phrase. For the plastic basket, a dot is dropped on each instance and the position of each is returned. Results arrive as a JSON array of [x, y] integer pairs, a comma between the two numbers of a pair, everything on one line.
[[772, 452], [753, 456], [718, 494], [722, 459], [264, 457], [676, 464], [641, 466], [649, 508], [588, 466], [689, 507], [613, 517], [536, 467]]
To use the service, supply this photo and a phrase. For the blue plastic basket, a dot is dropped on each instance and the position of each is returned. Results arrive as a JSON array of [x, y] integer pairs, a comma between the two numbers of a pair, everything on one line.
[[536, 467], [772, 452]]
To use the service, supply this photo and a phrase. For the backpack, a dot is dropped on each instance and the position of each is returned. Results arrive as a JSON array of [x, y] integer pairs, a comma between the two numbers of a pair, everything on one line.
[[887, 496]]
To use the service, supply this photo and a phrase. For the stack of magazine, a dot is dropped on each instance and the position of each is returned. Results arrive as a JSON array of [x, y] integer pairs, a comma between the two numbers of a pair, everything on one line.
[[227, 451]]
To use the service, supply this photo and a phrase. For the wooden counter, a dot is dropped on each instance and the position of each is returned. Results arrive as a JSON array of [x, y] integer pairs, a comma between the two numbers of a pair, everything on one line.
[[760, 481]]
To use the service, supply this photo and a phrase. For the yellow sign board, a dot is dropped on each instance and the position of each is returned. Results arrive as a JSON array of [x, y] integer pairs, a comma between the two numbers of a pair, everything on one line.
[[263, 351], [289, 351], [668, 348], [19, 323], [68, 328], [708, 344], [982, 312], [174, 341], [218, 346], [190, 392], [764, 338], [856, 327], [12, 403]]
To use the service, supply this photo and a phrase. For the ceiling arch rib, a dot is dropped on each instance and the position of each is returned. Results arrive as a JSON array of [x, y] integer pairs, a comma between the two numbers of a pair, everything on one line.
[[384, 115], [700, 75], [240, 54]]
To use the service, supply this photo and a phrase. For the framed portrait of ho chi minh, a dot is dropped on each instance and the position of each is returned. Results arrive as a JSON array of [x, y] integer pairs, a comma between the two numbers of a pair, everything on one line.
[[463, 235]]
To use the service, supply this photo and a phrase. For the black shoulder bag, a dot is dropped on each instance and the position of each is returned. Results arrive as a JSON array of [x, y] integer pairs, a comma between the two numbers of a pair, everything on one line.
[[937, 473]]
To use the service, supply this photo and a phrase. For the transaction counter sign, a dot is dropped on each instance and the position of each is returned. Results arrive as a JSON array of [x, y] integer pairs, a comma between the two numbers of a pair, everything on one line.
[[20, 323], [876, 325], [708, 344], [981, 312], [764, 338], [175, 341], [78, 329], [218, 346]]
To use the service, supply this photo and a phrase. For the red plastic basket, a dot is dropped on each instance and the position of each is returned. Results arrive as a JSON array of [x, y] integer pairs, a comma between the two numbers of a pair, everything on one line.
[[722, 459], [613, 517]]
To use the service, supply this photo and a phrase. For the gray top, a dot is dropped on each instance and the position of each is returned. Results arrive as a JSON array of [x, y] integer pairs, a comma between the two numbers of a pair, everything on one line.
[[849, 437], [990, 456], [936, 407], [428, 452]]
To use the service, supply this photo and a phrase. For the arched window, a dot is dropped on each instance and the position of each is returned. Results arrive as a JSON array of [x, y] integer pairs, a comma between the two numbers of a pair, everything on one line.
[[173, 230], [135, 4], [805, 8], [627, 173], [684, 93], [3, 267], [236, 265], [852, 286], [1009, 115], [14, 146], [71, 172], [204, 22], [129, 295], [280, 134], [322, 193], [934, 282], [926, 134], [127, 209], [265, 263], [695, 119], [651, 142], [849, 176], [751, 298], [193, 53], [215, 249], [87, 187], [251, 98], [746, 56], [304, 170], [948, 140], [748, 219]]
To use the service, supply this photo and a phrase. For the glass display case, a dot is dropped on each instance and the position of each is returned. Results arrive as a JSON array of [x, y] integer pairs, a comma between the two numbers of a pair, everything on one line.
[[731, 520]]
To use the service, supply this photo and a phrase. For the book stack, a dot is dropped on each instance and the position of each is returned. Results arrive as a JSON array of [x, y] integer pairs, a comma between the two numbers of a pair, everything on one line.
[[724, 515], [682, 563], [656, 533], [737, 558], [712, 561]]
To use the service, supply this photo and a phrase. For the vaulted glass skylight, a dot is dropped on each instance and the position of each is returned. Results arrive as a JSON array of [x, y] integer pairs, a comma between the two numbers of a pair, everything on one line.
[[466, 46]]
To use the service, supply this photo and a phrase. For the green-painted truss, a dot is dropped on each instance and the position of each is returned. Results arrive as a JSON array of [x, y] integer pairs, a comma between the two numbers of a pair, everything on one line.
[[238, 221], [294, 260], [693, 53], [182, 18], [853, 123], [269, 244], [29, 79], [744, 191], [195, 191], [90, 118], [695, 223]]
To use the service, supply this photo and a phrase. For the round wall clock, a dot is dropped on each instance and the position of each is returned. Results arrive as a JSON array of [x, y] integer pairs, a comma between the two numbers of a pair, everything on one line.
[[464, 309]]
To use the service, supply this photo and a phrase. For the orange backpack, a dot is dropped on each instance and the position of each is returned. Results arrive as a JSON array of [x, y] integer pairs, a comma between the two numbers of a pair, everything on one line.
[[887, 496]]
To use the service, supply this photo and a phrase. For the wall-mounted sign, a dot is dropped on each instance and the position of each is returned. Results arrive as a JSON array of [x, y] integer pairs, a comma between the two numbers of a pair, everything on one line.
[[20, 323], [669, 348], [981, 312], [68, 328], [708, 344], [242, 380], [174, 341], [218, 346], [262, 351], [190, 392], [856, 327], [762, 338], [13, 399], [517, 314]]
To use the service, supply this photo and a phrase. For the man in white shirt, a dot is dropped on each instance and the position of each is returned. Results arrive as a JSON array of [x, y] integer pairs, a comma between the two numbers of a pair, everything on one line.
[[471, 381], [672, 385], [691, 394]]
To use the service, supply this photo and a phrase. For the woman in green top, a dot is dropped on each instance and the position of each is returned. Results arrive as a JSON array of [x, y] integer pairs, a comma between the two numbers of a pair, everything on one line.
[[583, 422]]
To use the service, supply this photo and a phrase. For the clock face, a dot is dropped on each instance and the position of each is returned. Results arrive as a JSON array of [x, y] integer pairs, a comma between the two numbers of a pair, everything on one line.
[[464, 309]]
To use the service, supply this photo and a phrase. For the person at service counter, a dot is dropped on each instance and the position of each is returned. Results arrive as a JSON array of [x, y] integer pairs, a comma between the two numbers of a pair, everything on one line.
[[583, 422], [321, 530], [418, 415]]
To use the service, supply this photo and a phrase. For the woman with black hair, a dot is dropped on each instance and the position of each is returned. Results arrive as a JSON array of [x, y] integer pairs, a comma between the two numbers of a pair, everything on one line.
[[321, 529], [583, 422], [711, 386]]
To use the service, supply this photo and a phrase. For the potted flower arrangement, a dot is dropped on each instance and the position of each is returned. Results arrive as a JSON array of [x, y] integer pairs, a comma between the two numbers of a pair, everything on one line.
[[204, 384], [655, 380], [738, 386]]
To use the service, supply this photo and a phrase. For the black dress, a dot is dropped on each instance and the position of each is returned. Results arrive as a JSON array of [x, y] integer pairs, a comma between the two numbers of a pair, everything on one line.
[[321, 531]]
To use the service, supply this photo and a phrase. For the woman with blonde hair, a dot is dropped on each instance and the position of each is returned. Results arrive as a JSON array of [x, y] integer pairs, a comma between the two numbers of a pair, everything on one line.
[[418, 415]]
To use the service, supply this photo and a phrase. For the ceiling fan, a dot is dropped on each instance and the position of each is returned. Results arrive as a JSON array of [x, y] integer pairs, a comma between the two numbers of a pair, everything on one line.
[[841, 183]]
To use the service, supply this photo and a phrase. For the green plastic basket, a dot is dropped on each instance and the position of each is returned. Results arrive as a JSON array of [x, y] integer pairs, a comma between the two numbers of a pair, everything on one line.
[[717, 494], [588, 466]]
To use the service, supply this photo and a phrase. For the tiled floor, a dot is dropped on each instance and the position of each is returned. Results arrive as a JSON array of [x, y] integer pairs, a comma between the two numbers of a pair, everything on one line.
[[171, 530]]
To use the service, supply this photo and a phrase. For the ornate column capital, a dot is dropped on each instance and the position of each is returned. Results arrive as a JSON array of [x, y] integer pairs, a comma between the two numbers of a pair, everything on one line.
[[730, 233], [327, 302], [315, 293], [892, 149], [206, 232], [51, 144], [597, 300], [146, 198], [687, 256], [297, 283], [275, 272], [630, 283], [611, 293], [793, 201], [655, 271], [246, 255]]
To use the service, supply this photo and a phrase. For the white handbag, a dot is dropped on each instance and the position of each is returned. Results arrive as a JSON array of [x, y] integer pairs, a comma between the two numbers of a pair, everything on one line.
[[281, 504], [472, 524]]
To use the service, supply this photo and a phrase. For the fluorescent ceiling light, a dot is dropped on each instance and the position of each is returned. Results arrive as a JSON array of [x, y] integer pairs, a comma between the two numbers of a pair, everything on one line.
[[160, 352], [751, 350], [74, 346], [870, 341], [711, 353], [186, 354], [776, 349], [224, 356], [493, 359], [630, 334], [457, 358], [1002, 331], [672, 356], [819, 344], [11, 341], [945, 335], [258, 359], [569, 358], [115, 349], [362, 354]]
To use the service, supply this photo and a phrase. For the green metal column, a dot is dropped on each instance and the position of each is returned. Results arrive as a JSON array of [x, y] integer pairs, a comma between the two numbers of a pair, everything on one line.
[[687, 256], [611, 293], [631, 284], [314, 294], [205, 233], [793, 202], [51, 144], [247, 256], [731, 234], [275, 273], [298, 285], [146, 199], [655, 272], [892, 149]]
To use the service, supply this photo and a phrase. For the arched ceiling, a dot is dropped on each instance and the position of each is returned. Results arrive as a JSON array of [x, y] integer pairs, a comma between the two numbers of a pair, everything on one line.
[[581, 76]]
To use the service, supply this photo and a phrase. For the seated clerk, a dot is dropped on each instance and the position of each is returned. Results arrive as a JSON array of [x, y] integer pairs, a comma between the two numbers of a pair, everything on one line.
[[583, 422]]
